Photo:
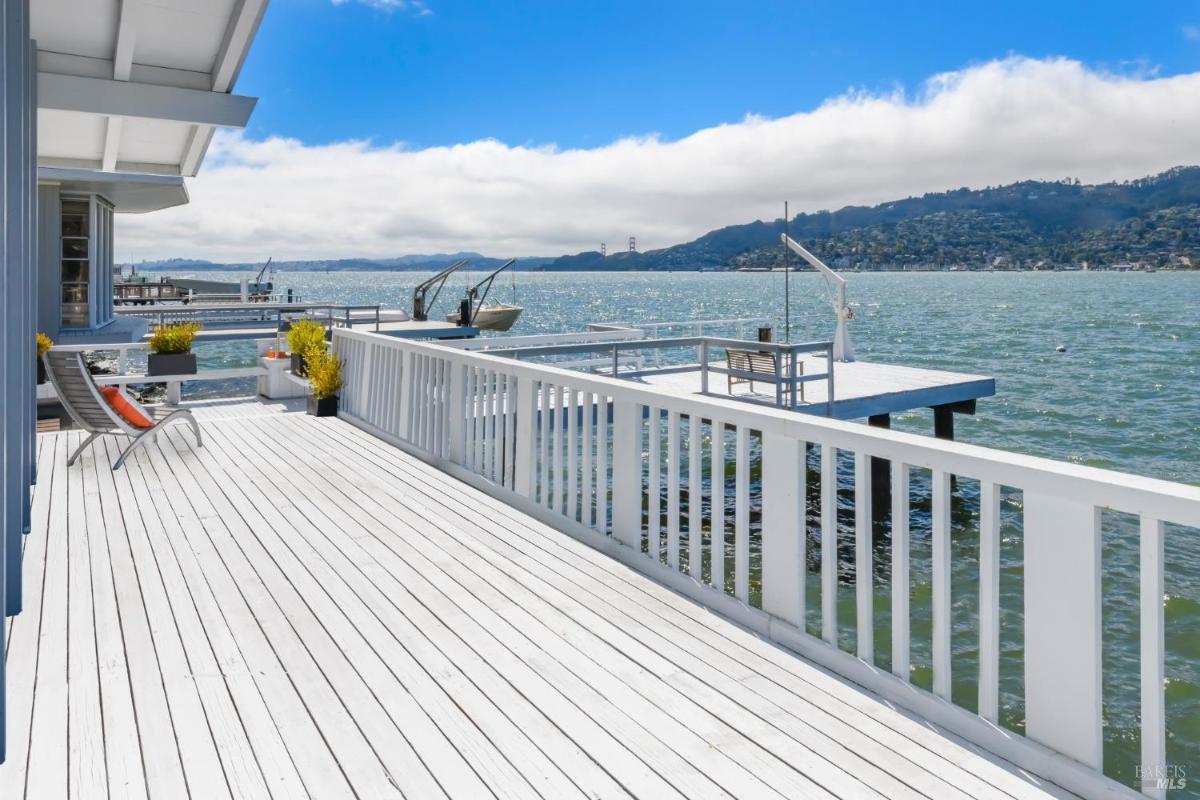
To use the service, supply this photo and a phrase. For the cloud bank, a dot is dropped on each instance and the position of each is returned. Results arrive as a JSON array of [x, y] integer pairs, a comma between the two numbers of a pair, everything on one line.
[[988, 124]]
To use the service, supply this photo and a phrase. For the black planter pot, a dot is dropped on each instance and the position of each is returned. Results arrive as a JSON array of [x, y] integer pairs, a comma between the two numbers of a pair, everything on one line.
[[171, 364], [41, 372], [325, 407], [299, 368]]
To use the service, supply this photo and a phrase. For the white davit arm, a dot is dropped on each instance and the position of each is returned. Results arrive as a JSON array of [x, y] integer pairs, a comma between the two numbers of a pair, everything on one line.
[[843, 349]]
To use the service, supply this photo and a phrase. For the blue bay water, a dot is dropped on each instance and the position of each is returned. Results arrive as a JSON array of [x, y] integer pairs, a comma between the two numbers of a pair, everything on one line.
[[1124, 395]]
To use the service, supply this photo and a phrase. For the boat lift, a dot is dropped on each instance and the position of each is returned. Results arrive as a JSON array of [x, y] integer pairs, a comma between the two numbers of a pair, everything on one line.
[[420, 308], [835, 285], [473, 295]]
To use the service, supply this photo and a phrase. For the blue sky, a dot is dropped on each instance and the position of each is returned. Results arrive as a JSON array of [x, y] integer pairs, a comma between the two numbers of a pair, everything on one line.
[[539, 129], [581, 74]]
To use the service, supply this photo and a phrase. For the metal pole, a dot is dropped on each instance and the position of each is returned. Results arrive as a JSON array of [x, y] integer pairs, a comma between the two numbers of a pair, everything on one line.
[[787, 286], [614, 372], [792, 372], [778, 380], [703, 367], [829, 380]]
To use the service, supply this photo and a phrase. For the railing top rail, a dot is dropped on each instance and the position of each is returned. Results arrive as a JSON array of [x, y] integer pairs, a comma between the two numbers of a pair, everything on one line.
[[192, 308], [1157, 499], [681, 323], [664, 344]]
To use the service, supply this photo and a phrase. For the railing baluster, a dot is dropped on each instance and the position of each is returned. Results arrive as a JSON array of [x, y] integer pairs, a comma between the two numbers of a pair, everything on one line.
[[572, 455], [497, 425], [472, 416], [989, 601], [627, 473], [489, 423], [783, 542], [829, 547], [525, 438], [673, 488], [544, 445], [560, 396], [864, 589], [512, 396], [717, 504], [1154, 716], [653, 493], [587, 477], [741, 524], [941, 584], [900, 570], [602, 402], [695, 497]]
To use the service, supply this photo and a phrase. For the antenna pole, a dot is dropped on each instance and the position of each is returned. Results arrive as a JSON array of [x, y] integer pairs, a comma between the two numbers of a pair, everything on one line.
[[787, 274]]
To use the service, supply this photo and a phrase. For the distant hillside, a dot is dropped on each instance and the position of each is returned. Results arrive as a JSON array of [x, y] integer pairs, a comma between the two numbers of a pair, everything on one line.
[[411, 263], [1154, 220]]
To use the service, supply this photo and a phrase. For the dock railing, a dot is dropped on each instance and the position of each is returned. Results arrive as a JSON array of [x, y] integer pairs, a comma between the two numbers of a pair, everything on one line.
[[628, 468], [225, 314], [174, 383], [786, 377]]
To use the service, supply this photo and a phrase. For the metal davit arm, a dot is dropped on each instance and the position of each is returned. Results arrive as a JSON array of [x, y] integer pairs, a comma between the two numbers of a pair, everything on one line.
[[843, 349]]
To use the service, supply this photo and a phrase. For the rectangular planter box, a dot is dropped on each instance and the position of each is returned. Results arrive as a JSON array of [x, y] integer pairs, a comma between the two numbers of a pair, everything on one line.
[[325, 407], [171, 364], [41, 372]]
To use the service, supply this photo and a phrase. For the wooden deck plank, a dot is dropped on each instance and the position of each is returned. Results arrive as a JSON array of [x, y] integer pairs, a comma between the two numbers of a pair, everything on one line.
[[299, 609], [665, 706], [210, 580], [122, 746], [423, 745], [769, 666], [304, 518], [24, 630], [457, 709]]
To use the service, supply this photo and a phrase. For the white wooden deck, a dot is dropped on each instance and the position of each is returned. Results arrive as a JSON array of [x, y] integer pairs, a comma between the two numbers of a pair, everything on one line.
[[861, 388], [300, 610]]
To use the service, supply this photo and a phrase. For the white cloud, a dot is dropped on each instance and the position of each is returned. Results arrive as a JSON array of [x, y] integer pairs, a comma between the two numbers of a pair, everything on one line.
[[989, 124]]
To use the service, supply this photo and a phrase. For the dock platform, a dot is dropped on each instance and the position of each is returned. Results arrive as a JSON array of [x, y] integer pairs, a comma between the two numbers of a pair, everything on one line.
[[299, 609], [861, 388]]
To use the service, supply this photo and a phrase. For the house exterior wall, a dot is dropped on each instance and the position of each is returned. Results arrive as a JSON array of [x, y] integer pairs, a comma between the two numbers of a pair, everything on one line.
[[49, 309], [18, 292]]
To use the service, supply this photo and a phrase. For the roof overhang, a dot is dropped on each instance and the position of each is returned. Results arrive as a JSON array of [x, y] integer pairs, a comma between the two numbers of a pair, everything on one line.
[[127, 192], [139, 85]]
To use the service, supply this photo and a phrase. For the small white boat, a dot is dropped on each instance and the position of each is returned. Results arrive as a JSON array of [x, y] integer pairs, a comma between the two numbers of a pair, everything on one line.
[[496, 317]]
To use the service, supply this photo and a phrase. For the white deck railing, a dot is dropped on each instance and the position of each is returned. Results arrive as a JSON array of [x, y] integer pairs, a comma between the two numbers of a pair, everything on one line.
[[604, 460]]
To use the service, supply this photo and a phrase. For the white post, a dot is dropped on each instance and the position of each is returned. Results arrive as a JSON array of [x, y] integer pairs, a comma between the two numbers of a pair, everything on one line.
[[1154, 712], [526, 436], [456, 424], [864, 601], [1062, 627], [783, 528], [627, 473], [244, 287]]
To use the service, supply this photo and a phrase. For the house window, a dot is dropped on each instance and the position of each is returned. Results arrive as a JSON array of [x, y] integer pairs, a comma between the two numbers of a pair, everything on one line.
[[76, 262]]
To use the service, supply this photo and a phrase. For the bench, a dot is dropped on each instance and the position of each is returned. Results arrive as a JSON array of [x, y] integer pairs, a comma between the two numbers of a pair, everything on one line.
[[758, 362]]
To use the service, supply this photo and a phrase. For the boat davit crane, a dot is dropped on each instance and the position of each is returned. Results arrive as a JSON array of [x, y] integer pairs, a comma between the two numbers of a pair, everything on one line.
[[420, 308], [835, 285]]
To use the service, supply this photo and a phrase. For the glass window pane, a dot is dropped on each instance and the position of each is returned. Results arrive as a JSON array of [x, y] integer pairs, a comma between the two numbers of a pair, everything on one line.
[[74, 293], [74, 225], [75, 315], [74, 248], [74, 271]]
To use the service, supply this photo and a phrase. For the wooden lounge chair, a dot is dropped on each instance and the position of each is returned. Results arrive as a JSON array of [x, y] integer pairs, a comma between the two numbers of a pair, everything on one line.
[[82, 399]]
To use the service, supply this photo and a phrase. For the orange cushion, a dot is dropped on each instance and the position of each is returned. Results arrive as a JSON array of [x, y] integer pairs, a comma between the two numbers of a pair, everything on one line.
[[125, 409]]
